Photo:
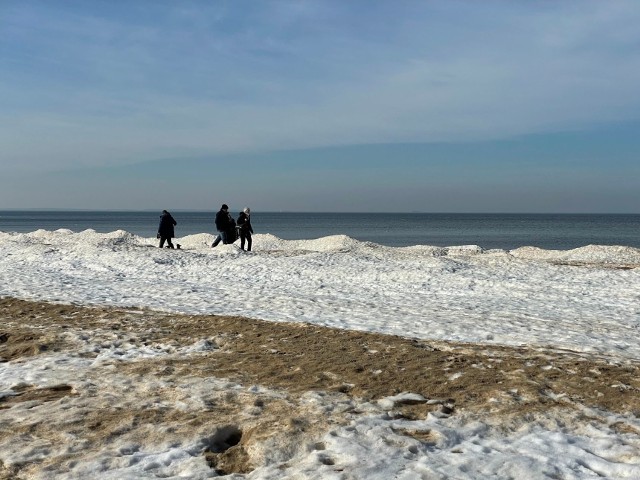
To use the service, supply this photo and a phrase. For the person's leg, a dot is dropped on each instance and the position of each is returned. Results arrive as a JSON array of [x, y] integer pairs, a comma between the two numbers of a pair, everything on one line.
[[161, 242], [169, 244], [248, 241], [224, 237], [216, 241], [242, 238]]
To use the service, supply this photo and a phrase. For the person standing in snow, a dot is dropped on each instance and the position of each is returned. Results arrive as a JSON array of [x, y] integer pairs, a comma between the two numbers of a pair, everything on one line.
[[244, 224], [165, 229], [224, 224]]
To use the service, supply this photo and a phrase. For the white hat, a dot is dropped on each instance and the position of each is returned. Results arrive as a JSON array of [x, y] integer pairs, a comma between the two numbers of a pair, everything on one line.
[[247, 210]]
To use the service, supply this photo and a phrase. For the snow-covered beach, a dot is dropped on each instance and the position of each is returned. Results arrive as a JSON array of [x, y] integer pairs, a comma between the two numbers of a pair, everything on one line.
[[581, 304]]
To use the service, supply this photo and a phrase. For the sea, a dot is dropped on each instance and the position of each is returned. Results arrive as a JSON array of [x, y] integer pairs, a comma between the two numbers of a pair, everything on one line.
[[489, 231]]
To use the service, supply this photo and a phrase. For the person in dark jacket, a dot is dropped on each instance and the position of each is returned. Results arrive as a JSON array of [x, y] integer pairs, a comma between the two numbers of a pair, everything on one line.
[[244, 225], [225, 224], [165, 229]]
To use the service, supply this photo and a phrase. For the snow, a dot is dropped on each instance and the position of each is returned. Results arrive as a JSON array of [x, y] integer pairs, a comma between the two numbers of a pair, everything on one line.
[[526, 296], [584, 300]]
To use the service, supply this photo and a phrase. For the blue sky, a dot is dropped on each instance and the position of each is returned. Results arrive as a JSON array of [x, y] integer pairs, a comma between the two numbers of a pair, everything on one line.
[[435, 106]]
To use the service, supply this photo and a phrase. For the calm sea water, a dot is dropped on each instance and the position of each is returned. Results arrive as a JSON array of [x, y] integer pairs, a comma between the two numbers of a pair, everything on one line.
[[507, 231]]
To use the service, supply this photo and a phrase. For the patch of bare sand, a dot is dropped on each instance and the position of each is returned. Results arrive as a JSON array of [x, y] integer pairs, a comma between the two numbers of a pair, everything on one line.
[[293, 358]]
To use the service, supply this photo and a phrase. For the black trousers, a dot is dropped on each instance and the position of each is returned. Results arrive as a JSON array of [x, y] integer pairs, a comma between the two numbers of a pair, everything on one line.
[[168, 240], [245, 236]]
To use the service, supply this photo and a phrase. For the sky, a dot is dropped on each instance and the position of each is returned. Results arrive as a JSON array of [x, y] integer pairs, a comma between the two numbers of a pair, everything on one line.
[[434, 106]]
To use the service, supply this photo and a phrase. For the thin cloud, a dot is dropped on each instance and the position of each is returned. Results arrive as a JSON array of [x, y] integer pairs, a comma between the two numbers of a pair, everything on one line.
[[236, 76]]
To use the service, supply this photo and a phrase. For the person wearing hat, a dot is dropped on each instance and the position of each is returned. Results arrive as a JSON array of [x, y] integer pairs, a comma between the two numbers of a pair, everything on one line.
[[244, 225], [224, 224]]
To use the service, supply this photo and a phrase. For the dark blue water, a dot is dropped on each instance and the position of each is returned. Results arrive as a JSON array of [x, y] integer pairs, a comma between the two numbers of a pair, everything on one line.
[[508, 231]]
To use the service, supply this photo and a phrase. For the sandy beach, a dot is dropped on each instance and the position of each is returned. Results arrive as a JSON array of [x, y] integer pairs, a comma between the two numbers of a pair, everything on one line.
[[504, 386], [326, 358]]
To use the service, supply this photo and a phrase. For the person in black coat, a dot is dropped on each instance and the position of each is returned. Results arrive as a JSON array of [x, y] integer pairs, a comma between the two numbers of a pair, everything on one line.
[[225, 224], [244, 225], [165, 229]]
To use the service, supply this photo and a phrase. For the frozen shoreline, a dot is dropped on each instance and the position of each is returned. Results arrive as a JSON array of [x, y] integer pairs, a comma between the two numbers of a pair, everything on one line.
[[584, 299], [120, 374]]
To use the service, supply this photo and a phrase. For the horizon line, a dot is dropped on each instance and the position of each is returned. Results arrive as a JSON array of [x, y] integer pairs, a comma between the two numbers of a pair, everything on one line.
[[422, 212]]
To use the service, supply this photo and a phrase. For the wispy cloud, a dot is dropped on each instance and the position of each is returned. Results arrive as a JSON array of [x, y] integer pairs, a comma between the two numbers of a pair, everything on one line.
[[107, 82]]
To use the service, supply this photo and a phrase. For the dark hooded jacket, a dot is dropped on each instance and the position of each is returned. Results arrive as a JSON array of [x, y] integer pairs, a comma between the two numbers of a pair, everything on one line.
[[224, 221], [165, 229], [244, 222]]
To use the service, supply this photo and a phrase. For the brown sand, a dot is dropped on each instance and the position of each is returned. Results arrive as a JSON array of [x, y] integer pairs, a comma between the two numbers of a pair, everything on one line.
[[297, 358]]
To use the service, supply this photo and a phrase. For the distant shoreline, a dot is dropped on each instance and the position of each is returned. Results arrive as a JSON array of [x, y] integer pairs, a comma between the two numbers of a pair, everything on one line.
[[487, 230], [346, 212]]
